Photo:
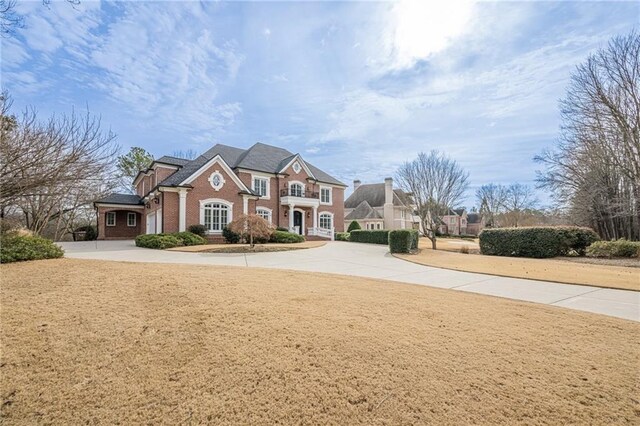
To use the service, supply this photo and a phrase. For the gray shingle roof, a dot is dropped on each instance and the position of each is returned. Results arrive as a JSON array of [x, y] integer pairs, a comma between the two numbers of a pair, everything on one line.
[[473, 218], [363, 211], [125, 199], [260, 157], [175, 161], [373, 194]]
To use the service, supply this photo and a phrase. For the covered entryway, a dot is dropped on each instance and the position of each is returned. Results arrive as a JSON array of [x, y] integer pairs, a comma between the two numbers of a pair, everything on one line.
[[298, 221]]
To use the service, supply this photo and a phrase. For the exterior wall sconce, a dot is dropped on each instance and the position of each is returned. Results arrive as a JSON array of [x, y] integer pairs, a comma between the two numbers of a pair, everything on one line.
[[147, 205], [286, 213], [156, 200], [308, 215]]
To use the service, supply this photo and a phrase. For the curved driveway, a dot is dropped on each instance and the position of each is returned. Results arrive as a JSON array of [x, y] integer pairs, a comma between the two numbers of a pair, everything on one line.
[[374, 261]]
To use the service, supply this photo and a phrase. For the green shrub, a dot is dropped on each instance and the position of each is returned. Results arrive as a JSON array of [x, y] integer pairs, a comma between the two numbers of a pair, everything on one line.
[[91, 232], [415, 239], [283, 237], [401, 241], [189, 238], [280, 228], [230, 236], [619, 248], [370, 237], [353, 226], [576, 239], [536, 242], [199, 230], [342, 236], [16, 248], [158, 241]]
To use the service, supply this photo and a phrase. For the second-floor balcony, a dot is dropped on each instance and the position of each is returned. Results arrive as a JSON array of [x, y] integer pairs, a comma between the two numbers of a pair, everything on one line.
[[296, 192]]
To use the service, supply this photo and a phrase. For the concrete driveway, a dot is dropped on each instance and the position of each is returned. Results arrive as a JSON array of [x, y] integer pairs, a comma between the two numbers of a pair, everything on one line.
[[374, 261]]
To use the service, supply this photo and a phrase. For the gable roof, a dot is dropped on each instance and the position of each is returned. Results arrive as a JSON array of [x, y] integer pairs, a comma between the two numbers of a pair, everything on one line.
[[460, 211], [473, 218], [260, 157], [363, 211], [373, 194], [124, 199]]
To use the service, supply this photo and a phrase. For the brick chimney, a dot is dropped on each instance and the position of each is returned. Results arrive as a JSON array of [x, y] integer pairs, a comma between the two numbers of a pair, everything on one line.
[[356, 184]]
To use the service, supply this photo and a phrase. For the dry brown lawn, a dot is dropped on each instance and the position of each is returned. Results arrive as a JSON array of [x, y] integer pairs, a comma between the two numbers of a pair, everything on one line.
[[558, 270], [246, 248], [107, 342]]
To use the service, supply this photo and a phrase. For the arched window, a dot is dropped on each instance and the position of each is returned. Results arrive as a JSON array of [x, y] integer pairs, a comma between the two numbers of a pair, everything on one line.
[[296, 190], [264, 213], [216, 216], [325, 220]]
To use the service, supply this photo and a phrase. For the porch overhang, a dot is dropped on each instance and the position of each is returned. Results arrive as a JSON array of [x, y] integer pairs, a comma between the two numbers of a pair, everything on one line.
[[299, 201]]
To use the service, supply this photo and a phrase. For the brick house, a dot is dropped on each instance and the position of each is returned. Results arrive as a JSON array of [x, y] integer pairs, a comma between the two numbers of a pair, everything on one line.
[[474, 223], [454, 222], [221, 184], [380, 206]]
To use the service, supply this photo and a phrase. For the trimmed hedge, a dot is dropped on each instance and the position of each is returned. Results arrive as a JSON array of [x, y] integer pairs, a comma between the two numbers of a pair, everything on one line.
[[283, 237], [199, 230], [165, 241], [158, 241], [354, 226], [18, 248], [189, 238], [403, 240], [342, 236], [536, 242], [619, 248], [91, 233], [370, 237]]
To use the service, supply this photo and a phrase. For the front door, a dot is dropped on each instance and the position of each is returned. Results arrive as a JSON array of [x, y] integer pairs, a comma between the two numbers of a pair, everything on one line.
[[151, 223], [297, 221]]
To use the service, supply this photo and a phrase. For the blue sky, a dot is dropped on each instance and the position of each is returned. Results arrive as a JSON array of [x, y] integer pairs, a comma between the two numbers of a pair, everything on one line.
[[355, 87]]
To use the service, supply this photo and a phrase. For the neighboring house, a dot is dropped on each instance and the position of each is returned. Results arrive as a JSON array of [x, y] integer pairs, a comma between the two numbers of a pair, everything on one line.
[[455, 222], [221, 184], [474, 223], [379, 206]]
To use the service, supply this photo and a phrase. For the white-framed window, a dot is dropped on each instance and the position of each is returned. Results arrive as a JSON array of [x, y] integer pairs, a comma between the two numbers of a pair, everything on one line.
[[131, 219], [325, 195], [378, 226], [216, 215], [261, 186], [216, 180], [325, 220], [264, 213], [111, 219], [297, 167], [296, 190]]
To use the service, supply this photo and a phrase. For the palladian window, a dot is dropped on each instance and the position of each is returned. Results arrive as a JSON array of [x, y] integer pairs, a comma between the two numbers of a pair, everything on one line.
[[216, 216]]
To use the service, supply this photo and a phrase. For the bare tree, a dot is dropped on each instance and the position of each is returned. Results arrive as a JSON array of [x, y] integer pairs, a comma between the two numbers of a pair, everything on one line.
[[48, 169], [188, 154], [491, 199], [251, 227], [518, 200], [595, 169], [436, 183]]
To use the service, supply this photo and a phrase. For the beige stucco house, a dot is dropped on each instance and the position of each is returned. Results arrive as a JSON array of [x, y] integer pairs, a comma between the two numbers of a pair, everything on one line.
[[380, 206]]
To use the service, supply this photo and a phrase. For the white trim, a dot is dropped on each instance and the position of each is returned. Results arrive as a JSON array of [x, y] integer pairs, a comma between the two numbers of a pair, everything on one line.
[[217, 159], [182, 210], [254, 176], [171, 189], [163, 165], [330, 203], [219, 201], [120, 206], [269, 211], [159, 221], [106, 219], [222, 180], [303, 214], [332, 219], [302, 163], [134, 219]]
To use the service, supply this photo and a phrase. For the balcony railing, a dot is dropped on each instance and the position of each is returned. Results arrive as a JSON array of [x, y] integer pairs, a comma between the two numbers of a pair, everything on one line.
[[297, 193]]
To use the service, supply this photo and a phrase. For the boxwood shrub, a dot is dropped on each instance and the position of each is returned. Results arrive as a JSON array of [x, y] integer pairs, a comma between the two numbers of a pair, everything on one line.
[[17, 248], [536, 242], [189, 238], [354, 226], [370, 237], [198, 230], [619, 248], [403, 240], [284, 237], [231, 237], [158, 241], [342, 236]]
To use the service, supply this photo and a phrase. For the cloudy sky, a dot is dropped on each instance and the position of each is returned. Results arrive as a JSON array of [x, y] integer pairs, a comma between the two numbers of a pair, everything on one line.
[[356, 88]]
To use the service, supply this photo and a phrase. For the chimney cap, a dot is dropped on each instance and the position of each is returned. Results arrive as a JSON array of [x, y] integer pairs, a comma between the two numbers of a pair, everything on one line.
[[389, 179], [356, 181]]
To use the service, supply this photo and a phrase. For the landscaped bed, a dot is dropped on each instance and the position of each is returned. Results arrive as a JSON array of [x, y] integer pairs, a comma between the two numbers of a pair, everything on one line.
[[109, 342], [246, 248], [554, 269]]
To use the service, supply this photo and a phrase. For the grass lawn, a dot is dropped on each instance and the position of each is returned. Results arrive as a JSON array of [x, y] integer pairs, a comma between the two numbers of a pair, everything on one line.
[[558, 270], [106, 342]]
